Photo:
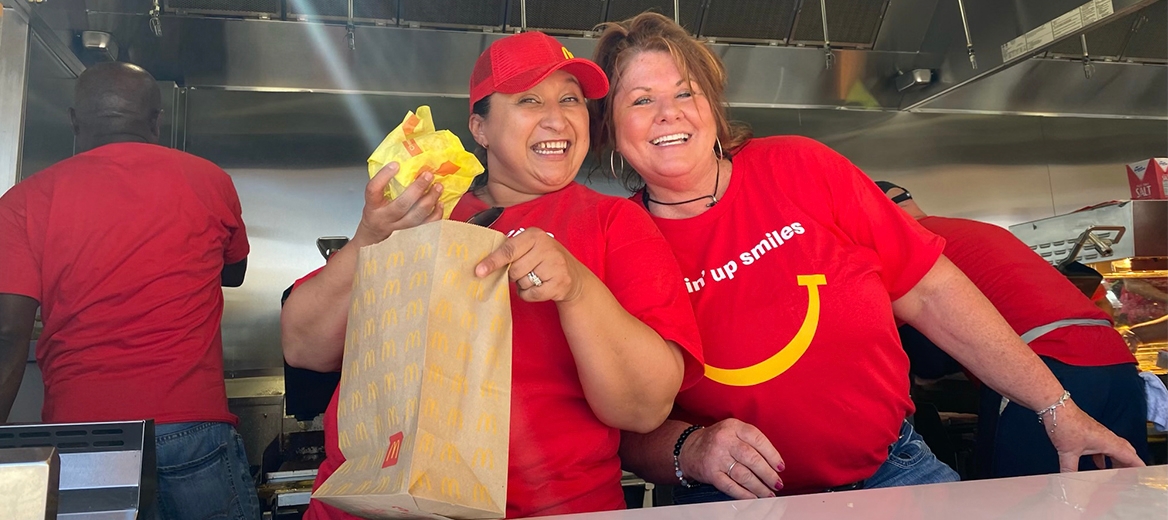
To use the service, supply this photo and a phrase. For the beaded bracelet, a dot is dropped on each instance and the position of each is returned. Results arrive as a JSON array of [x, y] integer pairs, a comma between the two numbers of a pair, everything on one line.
[[1051, 410], [677, 452]]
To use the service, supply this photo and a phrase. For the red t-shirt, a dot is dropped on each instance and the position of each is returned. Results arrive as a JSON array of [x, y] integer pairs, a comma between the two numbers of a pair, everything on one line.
[[562, 459], [792, 277], [1029, 293], [123, 246]]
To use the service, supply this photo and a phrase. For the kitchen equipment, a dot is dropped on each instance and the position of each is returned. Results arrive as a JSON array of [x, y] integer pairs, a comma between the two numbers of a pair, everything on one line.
[[107, 470], [29, 480]]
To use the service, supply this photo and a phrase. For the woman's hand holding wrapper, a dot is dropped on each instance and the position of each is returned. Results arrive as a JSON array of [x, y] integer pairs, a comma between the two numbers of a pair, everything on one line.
[[420, 153]]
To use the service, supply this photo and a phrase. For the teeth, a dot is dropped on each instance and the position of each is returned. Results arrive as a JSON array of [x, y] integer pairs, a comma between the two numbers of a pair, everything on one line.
[[550, 147], [670, 139]]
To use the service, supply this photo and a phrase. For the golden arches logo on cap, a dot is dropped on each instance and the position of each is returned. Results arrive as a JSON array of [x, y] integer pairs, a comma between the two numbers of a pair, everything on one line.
[[518, 62]]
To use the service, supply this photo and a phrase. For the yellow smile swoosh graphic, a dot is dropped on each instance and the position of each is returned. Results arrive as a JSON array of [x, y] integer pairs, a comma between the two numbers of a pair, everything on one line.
[[787, 356]]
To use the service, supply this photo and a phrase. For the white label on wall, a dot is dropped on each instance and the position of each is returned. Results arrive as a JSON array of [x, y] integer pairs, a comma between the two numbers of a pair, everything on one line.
[[1070, 22], [1067, 23]]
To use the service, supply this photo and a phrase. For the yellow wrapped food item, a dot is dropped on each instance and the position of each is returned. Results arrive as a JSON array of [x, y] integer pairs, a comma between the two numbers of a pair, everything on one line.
[[418, 147]]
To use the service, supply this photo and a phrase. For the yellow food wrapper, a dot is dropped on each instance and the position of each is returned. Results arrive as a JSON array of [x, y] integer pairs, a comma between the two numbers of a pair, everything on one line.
[[418, 147]]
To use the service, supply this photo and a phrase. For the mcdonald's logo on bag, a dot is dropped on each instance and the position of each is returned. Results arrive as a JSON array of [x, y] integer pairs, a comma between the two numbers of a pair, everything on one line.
[[392, 288], [423, 252], [450, 488], [391, 454], [415, 308], [395, 259], [414, 340], [443, 310], [459, 250], [483, 458], [419, 279], [450, 454], [481, 494]]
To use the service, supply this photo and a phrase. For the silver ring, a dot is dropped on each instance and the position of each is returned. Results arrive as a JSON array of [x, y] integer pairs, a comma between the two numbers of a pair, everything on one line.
[[535, 281], [731, 468]]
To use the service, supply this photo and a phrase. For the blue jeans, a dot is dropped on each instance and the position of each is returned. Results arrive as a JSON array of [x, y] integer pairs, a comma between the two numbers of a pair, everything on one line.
[[203, 473], [910, 462]]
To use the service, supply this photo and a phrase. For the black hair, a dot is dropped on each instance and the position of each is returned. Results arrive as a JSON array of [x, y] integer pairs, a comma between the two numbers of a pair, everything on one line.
[[480, 108]]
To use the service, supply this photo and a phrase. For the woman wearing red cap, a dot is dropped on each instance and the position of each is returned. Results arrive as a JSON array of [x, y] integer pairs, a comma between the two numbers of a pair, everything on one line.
[[595, 300], [797, 267]]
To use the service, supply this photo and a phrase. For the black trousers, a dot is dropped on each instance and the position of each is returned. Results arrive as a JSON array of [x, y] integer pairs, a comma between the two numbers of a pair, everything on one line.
[[1015, 443]]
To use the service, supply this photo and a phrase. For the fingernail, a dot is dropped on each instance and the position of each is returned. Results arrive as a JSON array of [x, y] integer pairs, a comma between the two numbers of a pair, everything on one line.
[[772, 495], [781, 467], [392, 166], [778, 485], [437, 187], [480, 270], [427, 177]]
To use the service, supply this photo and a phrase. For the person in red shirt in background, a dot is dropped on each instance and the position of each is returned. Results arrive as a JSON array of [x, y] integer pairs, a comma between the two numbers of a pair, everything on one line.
[[1073, 337], [797, 267], [124, 248], [603, 334]]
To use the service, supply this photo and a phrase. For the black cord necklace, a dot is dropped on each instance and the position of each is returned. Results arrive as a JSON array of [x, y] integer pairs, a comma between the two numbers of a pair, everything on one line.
[[646, 199]]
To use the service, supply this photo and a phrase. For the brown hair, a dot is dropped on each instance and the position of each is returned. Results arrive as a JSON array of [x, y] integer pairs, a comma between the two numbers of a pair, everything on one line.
[[646, 32]]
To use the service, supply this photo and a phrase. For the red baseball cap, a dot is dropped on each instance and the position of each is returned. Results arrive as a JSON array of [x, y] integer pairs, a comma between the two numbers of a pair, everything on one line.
[[520, 61]]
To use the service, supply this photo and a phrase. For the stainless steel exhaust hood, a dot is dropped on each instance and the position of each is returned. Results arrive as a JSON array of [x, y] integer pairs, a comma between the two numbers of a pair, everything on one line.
[[772, 48]]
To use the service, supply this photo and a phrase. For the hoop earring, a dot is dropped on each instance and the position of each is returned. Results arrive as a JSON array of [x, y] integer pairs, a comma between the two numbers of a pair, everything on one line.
[[720, 154], [612, 164]]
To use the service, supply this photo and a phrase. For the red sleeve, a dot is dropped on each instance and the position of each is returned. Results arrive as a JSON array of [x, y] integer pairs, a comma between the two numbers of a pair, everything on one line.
[[19, 269], [907, 251], [306, 278], [237, 245], [643, 275]]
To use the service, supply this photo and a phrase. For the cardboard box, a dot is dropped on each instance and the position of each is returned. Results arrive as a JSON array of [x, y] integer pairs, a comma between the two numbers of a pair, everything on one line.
[[1148, 179], [424, 411]]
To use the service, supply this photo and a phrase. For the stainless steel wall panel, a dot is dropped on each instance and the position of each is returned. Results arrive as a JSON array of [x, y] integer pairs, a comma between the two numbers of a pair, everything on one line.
[[298, 163], [793, 77], [999, 169], [850, 23], [991, 24], [14, 50], [48, 132], [1058, 87]]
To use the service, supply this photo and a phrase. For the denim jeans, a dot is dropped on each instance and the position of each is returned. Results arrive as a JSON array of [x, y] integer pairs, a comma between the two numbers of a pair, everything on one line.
[[910, 462], [203, 473]]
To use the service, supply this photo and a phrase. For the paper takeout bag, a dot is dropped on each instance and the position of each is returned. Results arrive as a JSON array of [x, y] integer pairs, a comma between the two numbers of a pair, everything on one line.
[[418, 147], [424, 409]]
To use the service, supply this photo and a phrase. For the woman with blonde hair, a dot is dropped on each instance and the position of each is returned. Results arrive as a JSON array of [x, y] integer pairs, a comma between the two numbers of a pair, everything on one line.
[[797, 267]]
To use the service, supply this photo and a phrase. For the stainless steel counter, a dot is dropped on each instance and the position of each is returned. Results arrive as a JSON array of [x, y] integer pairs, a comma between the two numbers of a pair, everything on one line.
[[1120, 494]]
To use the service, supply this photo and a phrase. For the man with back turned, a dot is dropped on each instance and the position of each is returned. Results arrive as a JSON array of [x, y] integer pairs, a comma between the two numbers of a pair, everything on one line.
[[124, 247]]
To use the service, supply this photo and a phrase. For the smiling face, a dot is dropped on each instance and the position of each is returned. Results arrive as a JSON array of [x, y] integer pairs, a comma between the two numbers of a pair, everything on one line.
[[664, 125], [536, 140]]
